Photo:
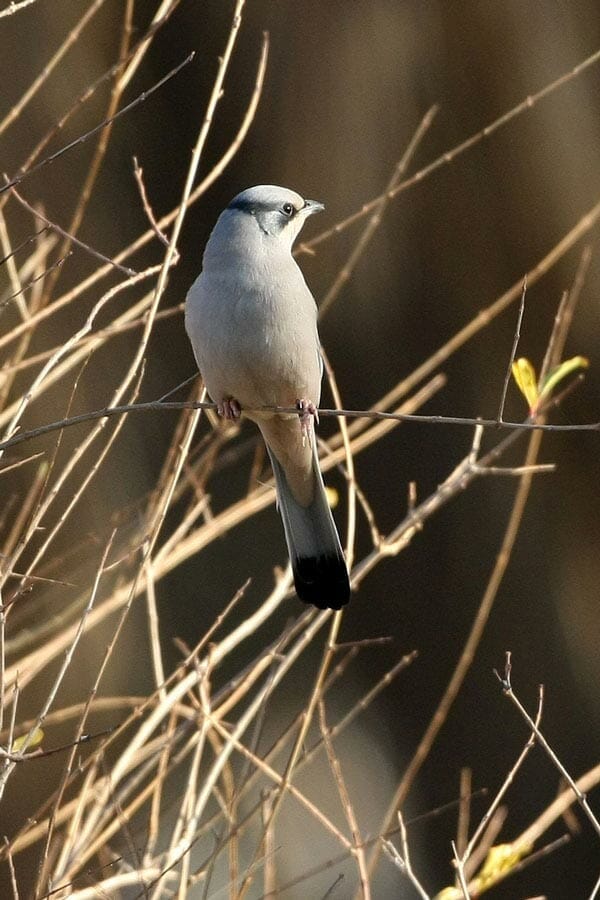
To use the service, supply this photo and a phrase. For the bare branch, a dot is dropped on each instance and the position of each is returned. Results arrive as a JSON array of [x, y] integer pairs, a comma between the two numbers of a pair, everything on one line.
[[13, 182]]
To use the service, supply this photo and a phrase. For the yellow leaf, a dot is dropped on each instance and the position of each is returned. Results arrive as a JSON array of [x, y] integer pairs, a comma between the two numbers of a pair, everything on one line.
[[332, 497], [501, 859], [524, 375], [36, 738]]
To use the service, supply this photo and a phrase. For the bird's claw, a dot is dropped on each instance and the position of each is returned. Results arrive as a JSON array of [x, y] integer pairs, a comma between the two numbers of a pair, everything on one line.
[[308, 414], [230, 409]]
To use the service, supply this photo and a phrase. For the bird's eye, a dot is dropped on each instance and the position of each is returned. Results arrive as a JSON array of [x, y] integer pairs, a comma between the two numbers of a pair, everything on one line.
[[287, 209]]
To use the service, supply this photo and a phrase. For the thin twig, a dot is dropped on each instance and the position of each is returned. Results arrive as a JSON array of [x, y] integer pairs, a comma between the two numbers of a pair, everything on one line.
[[334, 763], [349, 459], [595, 890], [487, 840], [403, 861], [564, 315], [99, 154], [91, 89], [460, 871], [374, 415], [472, 642], [71, 39], [11, 868], [20, 462], [13, 182], [55, 265], [70, 237], [13, 252], [376, 217], [40, 753], [513, 352], [139, 179], [505, 785], [450, 155], [464, 810], [468, 653], [507, 689], [62, 671], [14, 7], [286, 783]]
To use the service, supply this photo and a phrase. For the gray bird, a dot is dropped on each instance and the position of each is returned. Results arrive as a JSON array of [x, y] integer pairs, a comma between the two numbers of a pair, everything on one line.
[[252, 323]]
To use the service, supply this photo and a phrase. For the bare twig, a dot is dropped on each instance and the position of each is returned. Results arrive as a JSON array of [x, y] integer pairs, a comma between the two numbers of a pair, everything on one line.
[[70, 237], [460, 871], [450, 155], [358, 848], [475, 634], [374, 415], [55, 265], [376, 217], [73, 36], [403, 861], [7, 770], [464, 811], [507, 689], [465, 855], [513, 352], [15, 6], [14, 250], [13, 182], [11, 865], [40, 753], [139, 179]]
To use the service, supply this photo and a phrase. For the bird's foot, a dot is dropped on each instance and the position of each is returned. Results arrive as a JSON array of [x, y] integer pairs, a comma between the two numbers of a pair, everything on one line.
[[229, 409], [308, 414]]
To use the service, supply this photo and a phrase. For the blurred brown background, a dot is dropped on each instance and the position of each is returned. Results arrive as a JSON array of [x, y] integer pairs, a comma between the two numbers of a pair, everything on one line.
[[346, 86]]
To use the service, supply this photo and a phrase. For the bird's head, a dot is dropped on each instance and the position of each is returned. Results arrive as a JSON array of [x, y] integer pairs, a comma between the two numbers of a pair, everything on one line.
[[275, 211]]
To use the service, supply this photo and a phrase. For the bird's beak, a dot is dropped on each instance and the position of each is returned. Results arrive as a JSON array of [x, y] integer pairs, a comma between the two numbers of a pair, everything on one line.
[[313, 206]]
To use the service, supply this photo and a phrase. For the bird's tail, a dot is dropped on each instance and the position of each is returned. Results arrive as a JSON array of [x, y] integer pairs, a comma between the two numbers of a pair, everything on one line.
[[318, 564]]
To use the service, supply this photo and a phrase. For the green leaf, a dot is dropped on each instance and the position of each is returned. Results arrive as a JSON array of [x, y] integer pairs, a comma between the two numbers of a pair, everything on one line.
[[556, 375]]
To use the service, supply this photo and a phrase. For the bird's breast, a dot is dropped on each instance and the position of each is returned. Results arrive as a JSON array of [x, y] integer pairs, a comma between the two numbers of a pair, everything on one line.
[[255, 341]]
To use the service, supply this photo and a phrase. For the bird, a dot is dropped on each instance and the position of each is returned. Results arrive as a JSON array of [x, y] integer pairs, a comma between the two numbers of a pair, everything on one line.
[[252, 323]]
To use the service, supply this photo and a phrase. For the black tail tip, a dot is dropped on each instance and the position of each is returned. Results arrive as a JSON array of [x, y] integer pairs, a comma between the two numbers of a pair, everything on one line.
[[322, 581]]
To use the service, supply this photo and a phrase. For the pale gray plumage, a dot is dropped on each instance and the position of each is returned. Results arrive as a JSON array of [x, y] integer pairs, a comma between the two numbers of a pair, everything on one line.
[[252, 322]]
